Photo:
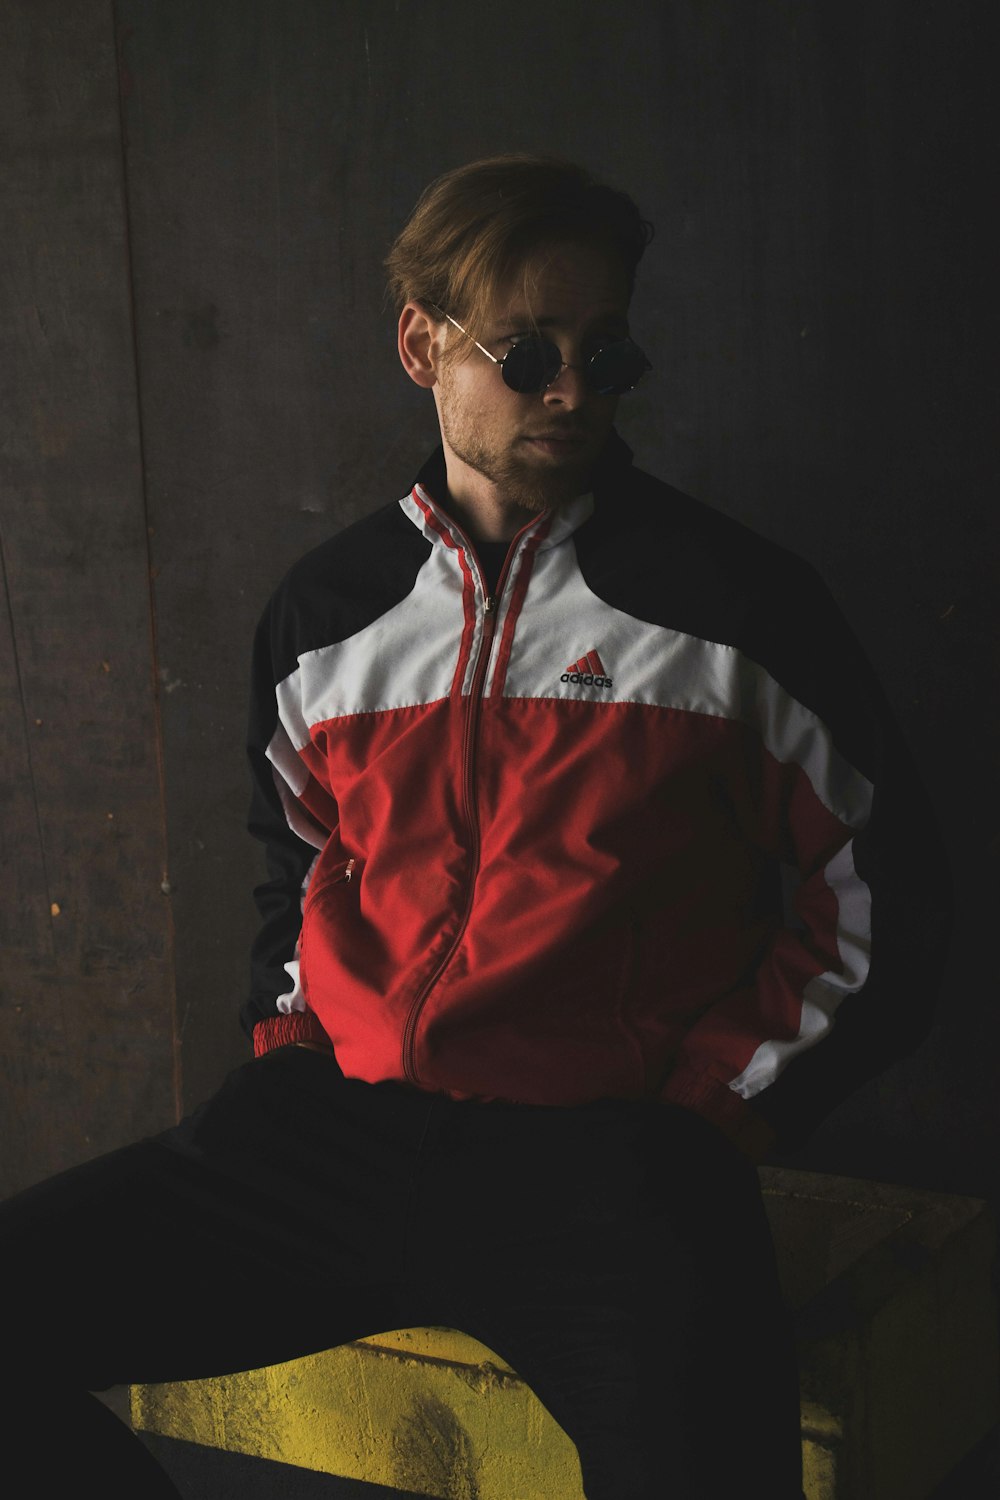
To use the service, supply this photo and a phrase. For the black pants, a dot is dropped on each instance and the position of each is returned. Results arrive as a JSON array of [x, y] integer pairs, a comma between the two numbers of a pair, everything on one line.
[[616, 1255]]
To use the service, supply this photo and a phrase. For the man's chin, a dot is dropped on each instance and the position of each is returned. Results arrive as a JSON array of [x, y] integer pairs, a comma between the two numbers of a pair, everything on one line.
[[536, 493], [544, 481]]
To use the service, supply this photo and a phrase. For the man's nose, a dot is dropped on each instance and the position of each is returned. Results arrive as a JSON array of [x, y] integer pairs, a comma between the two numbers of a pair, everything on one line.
[[569, 390]]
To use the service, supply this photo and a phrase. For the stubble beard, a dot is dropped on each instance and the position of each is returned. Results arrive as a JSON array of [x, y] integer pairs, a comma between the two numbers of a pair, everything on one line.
[[520, 484]]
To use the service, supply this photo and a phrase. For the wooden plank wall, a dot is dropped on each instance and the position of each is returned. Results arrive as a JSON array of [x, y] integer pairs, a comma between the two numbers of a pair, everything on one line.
[[86, 993], [809, 305]]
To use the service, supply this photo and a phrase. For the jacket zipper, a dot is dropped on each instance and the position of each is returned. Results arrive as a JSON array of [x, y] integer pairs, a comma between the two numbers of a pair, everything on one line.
[[469, 747]]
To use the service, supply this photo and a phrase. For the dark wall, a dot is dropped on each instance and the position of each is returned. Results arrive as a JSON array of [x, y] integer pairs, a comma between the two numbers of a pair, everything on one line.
[[810, 304], [86, 987]]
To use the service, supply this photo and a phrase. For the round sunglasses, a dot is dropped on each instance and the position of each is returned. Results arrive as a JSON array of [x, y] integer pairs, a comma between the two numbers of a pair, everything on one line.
[[534, 362]]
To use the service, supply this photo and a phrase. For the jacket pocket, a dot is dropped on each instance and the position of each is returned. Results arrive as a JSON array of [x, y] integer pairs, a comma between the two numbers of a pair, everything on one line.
[[334, 880], [342, 873]]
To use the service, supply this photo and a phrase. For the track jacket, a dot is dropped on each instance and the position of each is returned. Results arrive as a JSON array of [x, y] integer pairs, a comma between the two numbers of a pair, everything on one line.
[[639, 824]]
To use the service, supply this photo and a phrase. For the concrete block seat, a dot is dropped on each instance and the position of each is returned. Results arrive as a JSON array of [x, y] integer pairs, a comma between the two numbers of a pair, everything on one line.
[[897, 1330]]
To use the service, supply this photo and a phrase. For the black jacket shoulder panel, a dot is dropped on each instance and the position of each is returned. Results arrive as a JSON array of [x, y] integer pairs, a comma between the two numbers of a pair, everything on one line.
[[677, 562], [662, 556], [345, 584]]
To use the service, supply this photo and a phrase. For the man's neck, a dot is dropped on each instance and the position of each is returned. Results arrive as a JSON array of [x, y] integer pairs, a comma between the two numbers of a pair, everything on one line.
[[485, 523], [479, 507]]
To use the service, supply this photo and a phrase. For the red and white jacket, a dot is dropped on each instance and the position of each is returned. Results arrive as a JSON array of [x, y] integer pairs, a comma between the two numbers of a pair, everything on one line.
[[638, 824]]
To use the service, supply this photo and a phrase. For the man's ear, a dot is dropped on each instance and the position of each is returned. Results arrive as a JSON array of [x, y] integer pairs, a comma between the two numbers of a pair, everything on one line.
[[420, 342]]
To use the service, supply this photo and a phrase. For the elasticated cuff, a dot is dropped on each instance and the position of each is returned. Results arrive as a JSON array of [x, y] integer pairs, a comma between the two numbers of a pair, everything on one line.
[[279, 1031], [724, 1108]]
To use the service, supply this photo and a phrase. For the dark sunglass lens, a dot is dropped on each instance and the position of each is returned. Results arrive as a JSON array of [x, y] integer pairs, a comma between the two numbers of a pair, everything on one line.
[[530, 365], [618, 367]]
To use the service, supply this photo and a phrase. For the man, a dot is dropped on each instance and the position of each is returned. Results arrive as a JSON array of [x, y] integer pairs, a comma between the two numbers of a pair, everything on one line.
[[596, 869]]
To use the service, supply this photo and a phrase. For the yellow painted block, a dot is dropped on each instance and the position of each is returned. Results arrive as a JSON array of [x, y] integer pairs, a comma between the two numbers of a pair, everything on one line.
[[384, 1410], [424, 1409], [822, 1435], [819, 1471]]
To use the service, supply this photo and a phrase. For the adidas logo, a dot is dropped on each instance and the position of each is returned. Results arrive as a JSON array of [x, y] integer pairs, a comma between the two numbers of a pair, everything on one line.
[[588, 672]]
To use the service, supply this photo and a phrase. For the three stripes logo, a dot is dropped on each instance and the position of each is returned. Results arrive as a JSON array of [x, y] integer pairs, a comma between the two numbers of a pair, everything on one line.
[[588, 672]]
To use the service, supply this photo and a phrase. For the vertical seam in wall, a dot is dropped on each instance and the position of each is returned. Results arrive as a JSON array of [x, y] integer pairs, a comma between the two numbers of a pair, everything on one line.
[[27, 740], [122, 79]]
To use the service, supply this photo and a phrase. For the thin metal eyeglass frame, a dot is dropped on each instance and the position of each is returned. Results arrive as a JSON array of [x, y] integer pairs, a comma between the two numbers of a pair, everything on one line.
[[563, 366]]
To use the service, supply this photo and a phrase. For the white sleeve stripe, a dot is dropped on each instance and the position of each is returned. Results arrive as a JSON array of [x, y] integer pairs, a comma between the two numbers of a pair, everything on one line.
[[296, 816], [824, 993], [283, 754]]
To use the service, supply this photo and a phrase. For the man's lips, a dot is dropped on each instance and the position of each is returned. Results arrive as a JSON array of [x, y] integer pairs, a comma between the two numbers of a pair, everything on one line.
[[556, 442]]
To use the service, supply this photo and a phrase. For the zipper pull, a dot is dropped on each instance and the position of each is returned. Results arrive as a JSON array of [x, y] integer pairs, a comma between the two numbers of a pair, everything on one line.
[[349, 871], [491, 604]]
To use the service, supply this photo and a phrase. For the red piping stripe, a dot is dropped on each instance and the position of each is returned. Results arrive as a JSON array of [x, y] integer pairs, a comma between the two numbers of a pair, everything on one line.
[[468, 594], [517, 600]]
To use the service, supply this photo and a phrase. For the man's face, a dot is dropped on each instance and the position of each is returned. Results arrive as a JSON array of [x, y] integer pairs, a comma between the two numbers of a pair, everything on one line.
[[538, 450]]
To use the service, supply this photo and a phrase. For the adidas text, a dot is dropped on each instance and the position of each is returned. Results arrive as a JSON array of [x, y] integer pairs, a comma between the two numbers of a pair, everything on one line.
[[586, 679]]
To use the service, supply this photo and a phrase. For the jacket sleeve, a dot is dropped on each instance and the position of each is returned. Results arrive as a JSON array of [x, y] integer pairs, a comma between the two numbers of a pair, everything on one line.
[[293, 817], [849, 973]]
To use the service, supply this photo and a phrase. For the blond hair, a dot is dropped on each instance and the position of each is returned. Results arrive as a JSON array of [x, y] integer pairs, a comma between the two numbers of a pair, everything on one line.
[[474, 227]]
